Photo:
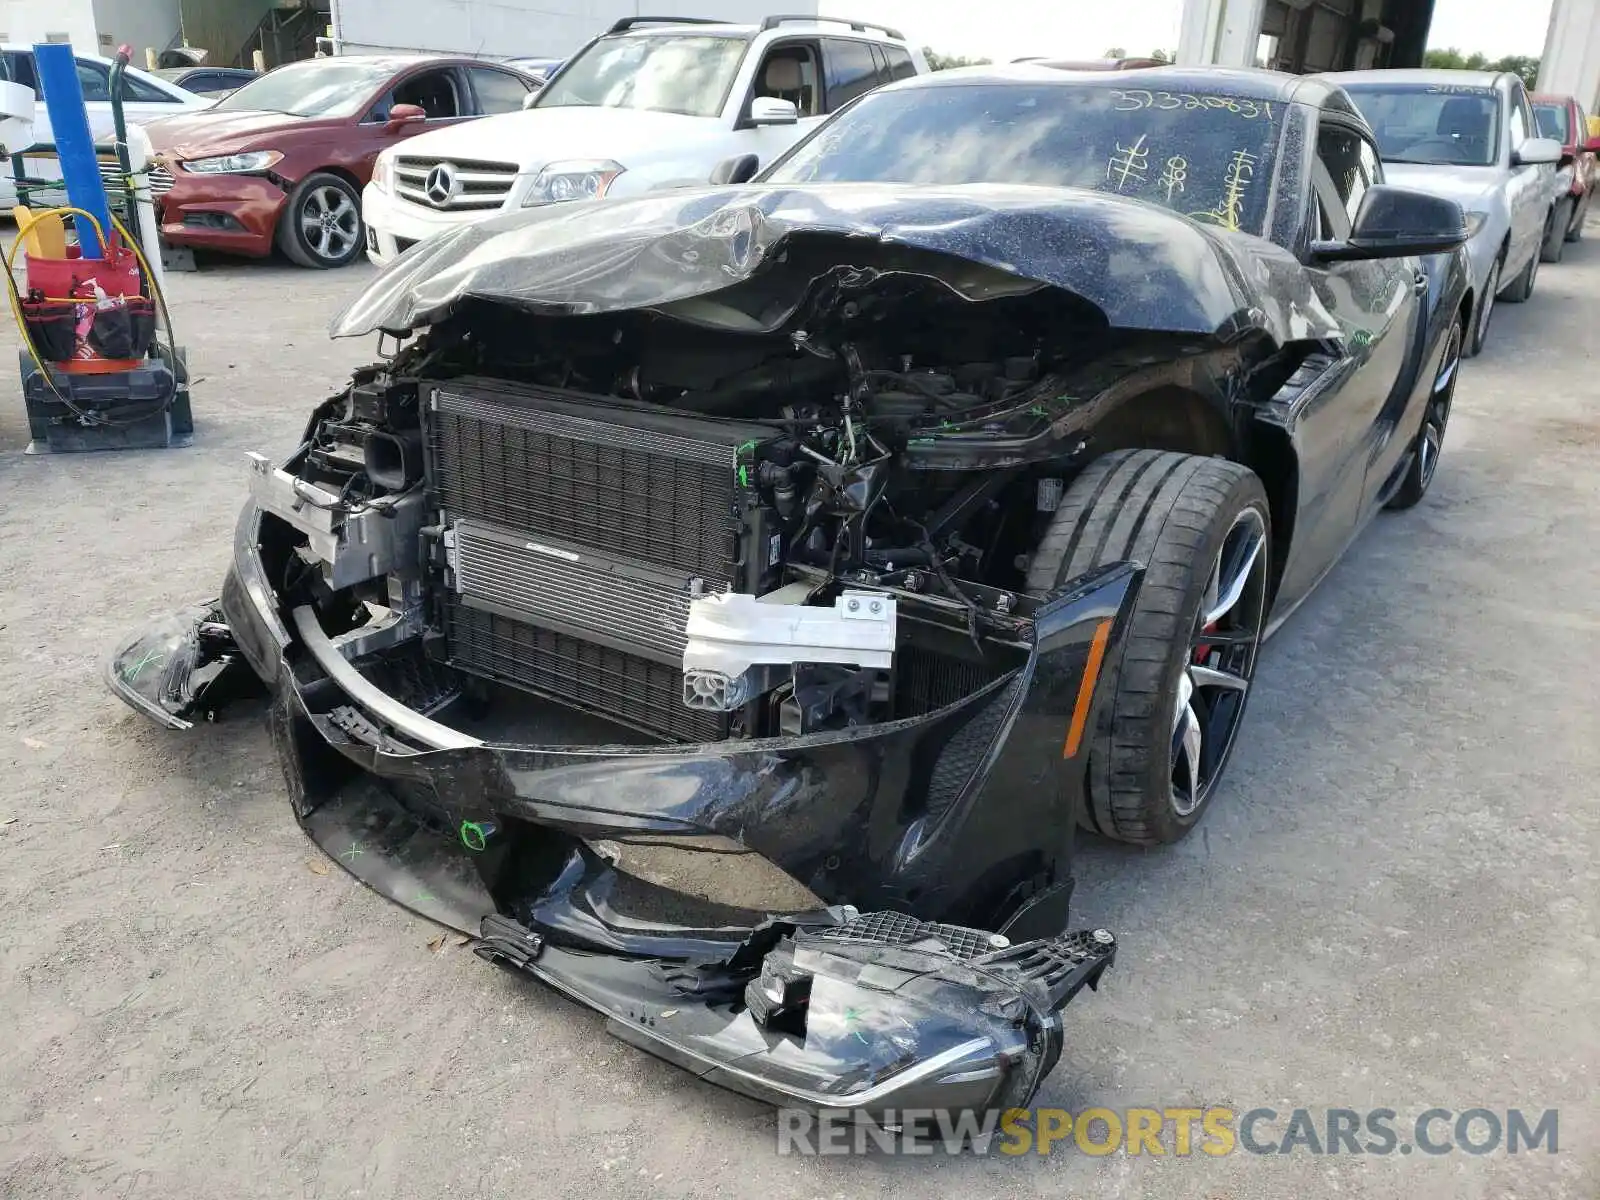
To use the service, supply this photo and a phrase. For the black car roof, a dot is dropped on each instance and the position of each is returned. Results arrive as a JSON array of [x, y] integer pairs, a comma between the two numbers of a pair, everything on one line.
[[1247, 84]]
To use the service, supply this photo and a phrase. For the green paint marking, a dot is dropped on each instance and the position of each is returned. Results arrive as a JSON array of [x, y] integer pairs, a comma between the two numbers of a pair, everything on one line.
[[151, 658], [851, 1016], [473, 836], [424, 898], [744, 475], [354, 852]]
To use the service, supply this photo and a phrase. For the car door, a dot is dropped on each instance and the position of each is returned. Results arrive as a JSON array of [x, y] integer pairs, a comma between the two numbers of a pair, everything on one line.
[[1528, 188], [790, 69], [496, 91], [443, 95], [1338, 430]]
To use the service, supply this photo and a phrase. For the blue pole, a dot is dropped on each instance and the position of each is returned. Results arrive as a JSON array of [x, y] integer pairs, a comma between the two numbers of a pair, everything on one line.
[[57, 70]]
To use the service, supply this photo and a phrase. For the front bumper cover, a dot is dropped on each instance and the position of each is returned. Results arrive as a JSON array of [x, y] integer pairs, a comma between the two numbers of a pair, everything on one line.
[[910, 840]]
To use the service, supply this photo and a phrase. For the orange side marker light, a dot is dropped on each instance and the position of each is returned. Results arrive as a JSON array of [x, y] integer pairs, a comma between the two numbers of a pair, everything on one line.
[[1091, 673]]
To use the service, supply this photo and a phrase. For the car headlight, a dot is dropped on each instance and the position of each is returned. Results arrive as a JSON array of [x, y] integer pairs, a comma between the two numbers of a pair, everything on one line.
[[383, 173], [1475, 221], [585, 179], [234, 164]]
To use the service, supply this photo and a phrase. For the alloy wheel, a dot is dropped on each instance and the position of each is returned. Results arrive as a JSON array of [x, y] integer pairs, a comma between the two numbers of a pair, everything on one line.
[[1222, 659], [330, 222]]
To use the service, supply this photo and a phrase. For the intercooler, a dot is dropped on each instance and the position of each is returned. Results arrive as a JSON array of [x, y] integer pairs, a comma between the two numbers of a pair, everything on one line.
[[577, 530]]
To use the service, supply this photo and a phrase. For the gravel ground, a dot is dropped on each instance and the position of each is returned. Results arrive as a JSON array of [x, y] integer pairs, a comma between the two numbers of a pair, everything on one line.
[[1393, 904]]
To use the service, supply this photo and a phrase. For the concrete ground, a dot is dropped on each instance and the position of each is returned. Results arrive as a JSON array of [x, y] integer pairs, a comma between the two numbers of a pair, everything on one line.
[[1393, 904]]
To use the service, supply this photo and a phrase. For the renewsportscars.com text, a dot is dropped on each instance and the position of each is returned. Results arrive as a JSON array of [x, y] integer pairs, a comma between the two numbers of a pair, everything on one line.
[[1178, 1132]]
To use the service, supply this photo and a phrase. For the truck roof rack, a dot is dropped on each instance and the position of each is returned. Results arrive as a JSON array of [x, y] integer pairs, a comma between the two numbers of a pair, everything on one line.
[[627, 23], [777, 19]]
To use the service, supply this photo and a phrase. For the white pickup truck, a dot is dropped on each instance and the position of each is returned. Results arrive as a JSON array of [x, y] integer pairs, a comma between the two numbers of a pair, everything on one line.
[[651, 103]]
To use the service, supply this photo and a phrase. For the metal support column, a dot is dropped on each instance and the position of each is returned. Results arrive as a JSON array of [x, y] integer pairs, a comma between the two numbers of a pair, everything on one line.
[[1571, 62], [1220, 33]]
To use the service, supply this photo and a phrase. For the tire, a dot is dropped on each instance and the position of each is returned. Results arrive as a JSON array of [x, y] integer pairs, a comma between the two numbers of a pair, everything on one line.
[[1520, 289], [1555, 235], [1484, 312], [1429, 444], [1575, 232], [1176, 513], [321, 224]]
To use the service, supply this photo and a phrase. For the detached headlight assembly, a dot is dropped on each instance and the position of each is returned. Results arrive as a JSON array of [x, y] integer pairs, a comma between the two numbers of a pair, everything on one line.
[[579, 179], [250, 163], [1475, 222]]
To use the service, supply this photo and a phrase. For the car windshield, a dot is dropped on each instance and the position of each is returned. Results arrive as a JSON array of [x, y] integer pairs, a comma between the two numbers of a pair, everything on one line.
[[1553, 122], [320, 87], [1207, 156], [1437, 124], [672, 73]]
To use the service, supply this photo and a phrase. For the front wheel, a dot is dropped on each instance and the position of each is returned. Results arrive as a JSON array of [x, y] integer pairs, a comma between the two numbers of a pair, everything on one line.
[[1202, 528], [1521, 288], [1555, 234], [321, 223], [1430, 438]]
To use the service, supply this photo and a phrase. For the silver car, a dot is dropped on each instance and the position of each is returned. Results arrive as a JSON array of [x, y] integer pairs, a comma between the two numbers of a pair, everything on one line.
[[1469, 136]]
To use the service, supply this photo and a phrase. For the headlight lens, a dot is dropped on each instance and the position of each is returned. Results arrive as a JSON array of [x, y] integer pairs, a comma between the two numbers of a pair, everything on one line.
[[234, 164], [383, 173], [585, 179], [1475, 222]]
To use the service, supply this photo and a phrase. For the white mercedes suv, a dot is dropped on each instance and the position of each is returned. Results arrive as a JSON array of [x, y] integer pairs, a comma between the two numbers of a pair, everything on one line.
[[651, 103]]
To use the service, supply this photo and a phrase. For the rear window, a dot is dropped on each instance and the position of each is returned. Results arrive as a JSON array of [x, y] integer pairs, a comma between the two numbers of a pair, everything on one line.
[[1554, 121]]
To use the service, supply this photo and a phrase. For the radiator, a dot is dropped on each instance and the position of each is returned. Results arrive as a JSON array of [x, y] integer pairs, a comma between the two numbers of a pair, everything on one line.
[[577, 531]]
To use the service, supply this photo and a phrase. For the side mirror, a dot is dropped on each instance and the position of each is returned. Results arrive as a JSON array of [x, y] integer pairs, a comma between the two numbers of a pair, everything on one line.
[[769, 110], [532, 97], [1536, 150], [1395, 222], [403, 114], [1592, 145], [741, 168]]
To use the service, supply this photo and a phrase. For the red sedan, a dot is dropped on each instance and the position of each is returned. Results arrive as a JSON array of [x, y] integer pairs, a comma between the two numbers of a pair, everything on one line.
[[282, 161], [1563, 118]]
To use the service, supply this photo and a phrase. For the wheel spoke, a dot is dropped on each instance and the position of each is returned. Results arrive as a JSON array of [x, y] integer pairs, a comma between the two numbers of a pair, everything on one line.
[[1238, 579], [1205, 677], [1188, 746]]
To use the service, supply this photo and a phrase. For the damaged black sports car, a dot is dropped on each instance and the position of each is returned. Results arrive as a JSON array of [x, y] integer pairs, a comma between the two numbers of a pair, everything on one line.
[[725, 603]]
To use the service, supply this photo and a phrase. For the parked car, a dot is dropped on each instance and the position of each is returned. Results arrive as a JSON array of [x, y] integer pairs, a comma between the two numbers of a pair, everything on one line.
[[1562, 119], [281, 162], [802, 522], [215, 82], [145, 98], [538, 68], [651, 103], [1470, 136]]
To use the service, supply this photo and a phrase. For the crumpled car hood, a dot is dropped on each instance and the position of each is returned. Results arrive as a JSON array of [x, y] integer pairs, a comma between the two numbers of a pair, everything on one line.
[[1142, 266]]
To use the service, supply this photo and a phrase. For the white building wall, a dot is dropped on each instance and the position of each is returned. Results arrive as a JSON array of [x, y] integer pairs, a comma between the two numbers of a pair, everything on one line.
[[516, 28], [140, 24], [32, 21]]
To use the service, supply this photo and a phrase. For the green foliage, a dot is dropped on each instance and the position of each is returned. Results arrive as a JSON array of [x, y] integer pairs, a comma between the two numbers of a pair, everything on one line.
[[943, 62], [1524, 65]]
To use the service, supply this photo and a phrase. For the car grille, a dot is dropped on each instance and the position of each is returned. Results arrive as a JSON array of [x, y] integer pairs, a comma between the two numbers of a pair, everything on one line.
[[479, 186], [111, 176]]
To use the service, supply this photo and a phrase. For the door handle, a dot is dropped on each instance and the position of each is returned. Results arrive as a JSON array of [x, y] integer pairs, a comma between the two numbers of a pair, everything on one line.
[[1419, 284]]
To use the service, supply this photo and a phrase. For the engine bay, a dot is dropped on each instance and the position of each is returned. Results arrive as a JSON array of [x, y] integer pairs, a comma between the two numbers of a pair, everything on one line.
[[696, 528]]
